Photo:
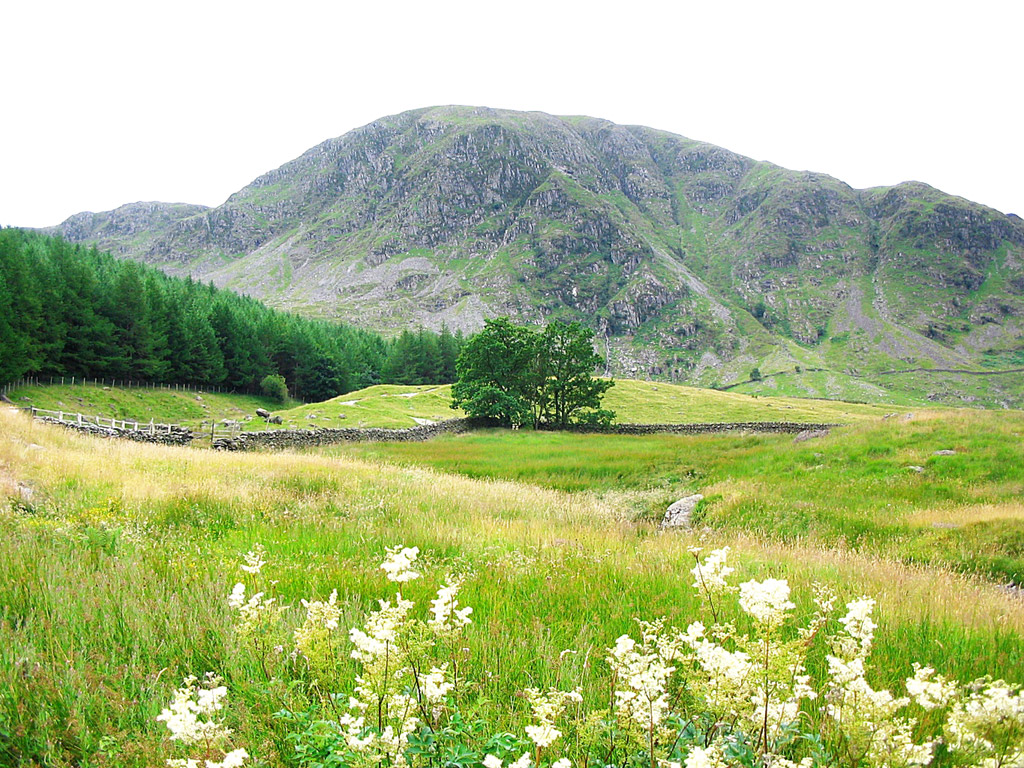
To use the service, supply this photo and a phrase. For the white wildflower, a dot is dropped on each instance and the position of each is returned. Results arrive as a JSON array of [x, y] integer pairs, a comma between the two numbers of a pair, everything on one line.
[[543, 735], [711, 575], [992, 714], [447, 616], [490, 761], [928, 689], [398, 563], [705, 758], [433, 685], [523, 762], [189, 717], [237, 597], [547, 707], [642, 673], [564, 762], [233, 759], [381, 630], [255, 560], [858, 623], [322, 619], [766, 601]]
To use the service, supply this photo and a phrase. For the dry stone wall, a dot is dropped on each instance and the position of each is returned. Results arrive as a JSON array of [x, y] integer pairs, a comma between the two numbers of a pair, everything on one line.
[[785, 427], [301, 438], [175, 435]]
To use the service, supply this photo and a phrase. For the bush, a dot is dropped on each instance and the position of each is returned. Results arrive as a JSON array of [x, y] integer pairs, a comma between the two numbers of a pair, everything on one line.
[[274, 386]]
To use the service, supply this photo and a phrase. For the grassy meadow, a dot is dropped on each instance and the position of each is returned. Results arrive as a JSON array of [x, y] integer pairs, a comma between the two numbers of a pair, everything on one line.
[[397, 406], [634, 402], [164, 405], [116, 560]]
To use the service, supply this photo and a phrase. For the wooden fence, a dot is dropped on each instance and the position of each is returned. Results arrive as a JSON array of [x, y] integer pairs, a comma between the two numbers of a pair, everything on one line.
[[216, 431], [33, 381], [70, 417]]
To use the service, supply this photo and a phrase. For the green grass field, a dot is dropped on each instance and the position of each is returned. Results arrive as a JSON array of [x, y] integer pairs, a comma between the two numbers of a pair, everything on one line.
[[164, 405], [634, 402], [116, 560], [877, 485], [399, 406]]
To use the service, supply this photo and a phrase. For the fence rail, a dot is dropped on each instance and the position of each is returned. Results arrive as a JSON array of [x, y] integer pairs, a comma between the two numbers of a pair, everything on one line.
[[70, 417], [36, 381]]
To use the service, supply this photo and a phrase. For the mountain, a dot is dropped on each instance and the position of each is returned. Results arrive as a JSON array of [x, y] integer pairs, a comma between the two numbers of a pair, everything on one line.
[[690, 261]]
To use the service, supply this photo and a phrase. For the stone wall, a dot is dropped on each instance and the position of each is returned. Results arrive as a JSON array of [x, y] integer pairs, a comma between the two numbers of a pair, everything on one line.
[[786, 427], [176, 435], [299, 438]]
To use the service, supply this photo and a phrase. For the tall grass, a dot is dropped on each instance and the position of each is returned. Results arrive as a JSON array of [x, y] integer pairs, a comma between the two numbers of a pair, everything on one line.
[[116, 565]]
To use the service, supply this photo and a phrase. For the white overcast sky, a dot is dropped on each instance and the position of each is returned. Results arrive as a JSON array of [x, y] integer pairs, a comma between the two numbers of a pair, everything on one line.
[[106, 103]]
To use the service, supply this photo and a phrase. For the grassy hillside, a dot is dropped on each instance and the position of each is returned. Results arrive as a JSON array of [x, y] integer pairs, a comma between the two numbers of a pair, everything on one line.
[[634, 402], [116, 560], [161, 404], [397, 406]]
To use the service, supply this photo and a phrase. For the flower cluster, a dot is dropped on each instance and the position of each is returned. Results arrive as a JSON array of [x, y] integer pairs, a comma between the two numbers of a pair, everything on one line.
[[766, 601], [864, 719], [192, 720], [448, 618], [255, 559], [257, 615], [712, 575], [398, 565], [988, 725], [547, 707], [707, 696], [641, 673]]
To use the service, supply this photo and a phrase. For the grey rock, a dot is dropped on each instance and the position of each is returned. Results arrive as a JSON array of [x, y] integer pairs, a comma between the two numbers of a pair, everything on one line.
[[679, 513], [262, 413], [915, 468], [946, 452], [810, 434], [275, 420]]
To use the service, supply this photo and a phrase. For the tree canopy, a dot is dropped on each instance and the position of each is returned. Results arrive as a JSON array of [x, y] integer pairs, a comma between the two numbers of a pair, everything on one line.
[[513, 375]]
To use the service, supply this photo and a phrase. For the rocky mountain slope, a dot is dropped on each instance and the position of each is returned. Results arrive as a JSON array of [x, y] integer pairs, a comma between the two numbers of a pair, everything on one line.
[[691, 262]]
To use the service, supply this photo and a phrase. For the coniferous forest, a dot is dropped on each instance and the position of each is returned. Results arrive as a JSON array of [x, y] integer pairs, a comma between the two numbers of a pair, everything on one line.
[[67, 310]]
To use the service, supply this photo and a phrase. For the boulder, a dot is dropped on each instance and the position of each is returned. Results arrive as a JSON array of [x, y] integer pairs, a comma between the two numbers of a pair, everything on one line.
[[946, 452], [262, 413], [679, 513], [275, 420], [810, 434]]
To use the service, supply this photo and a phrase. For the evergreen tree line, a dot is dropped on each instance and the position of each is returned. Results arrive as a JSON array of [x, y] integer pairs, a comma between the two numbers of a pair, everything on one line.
[[67, 310]]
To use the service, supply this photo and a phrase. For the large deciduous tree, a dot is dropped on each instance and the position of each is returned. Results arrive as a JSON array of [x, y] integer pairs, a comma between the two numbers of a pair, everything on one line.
[[566, 362], [513, 375], [496, 373]]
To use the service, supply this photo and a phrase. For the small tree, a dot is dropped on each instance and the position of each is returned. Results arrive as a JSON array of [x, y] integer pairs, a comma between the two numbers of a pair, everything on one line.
[[494, 373], [566, 364], [274, 386]]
